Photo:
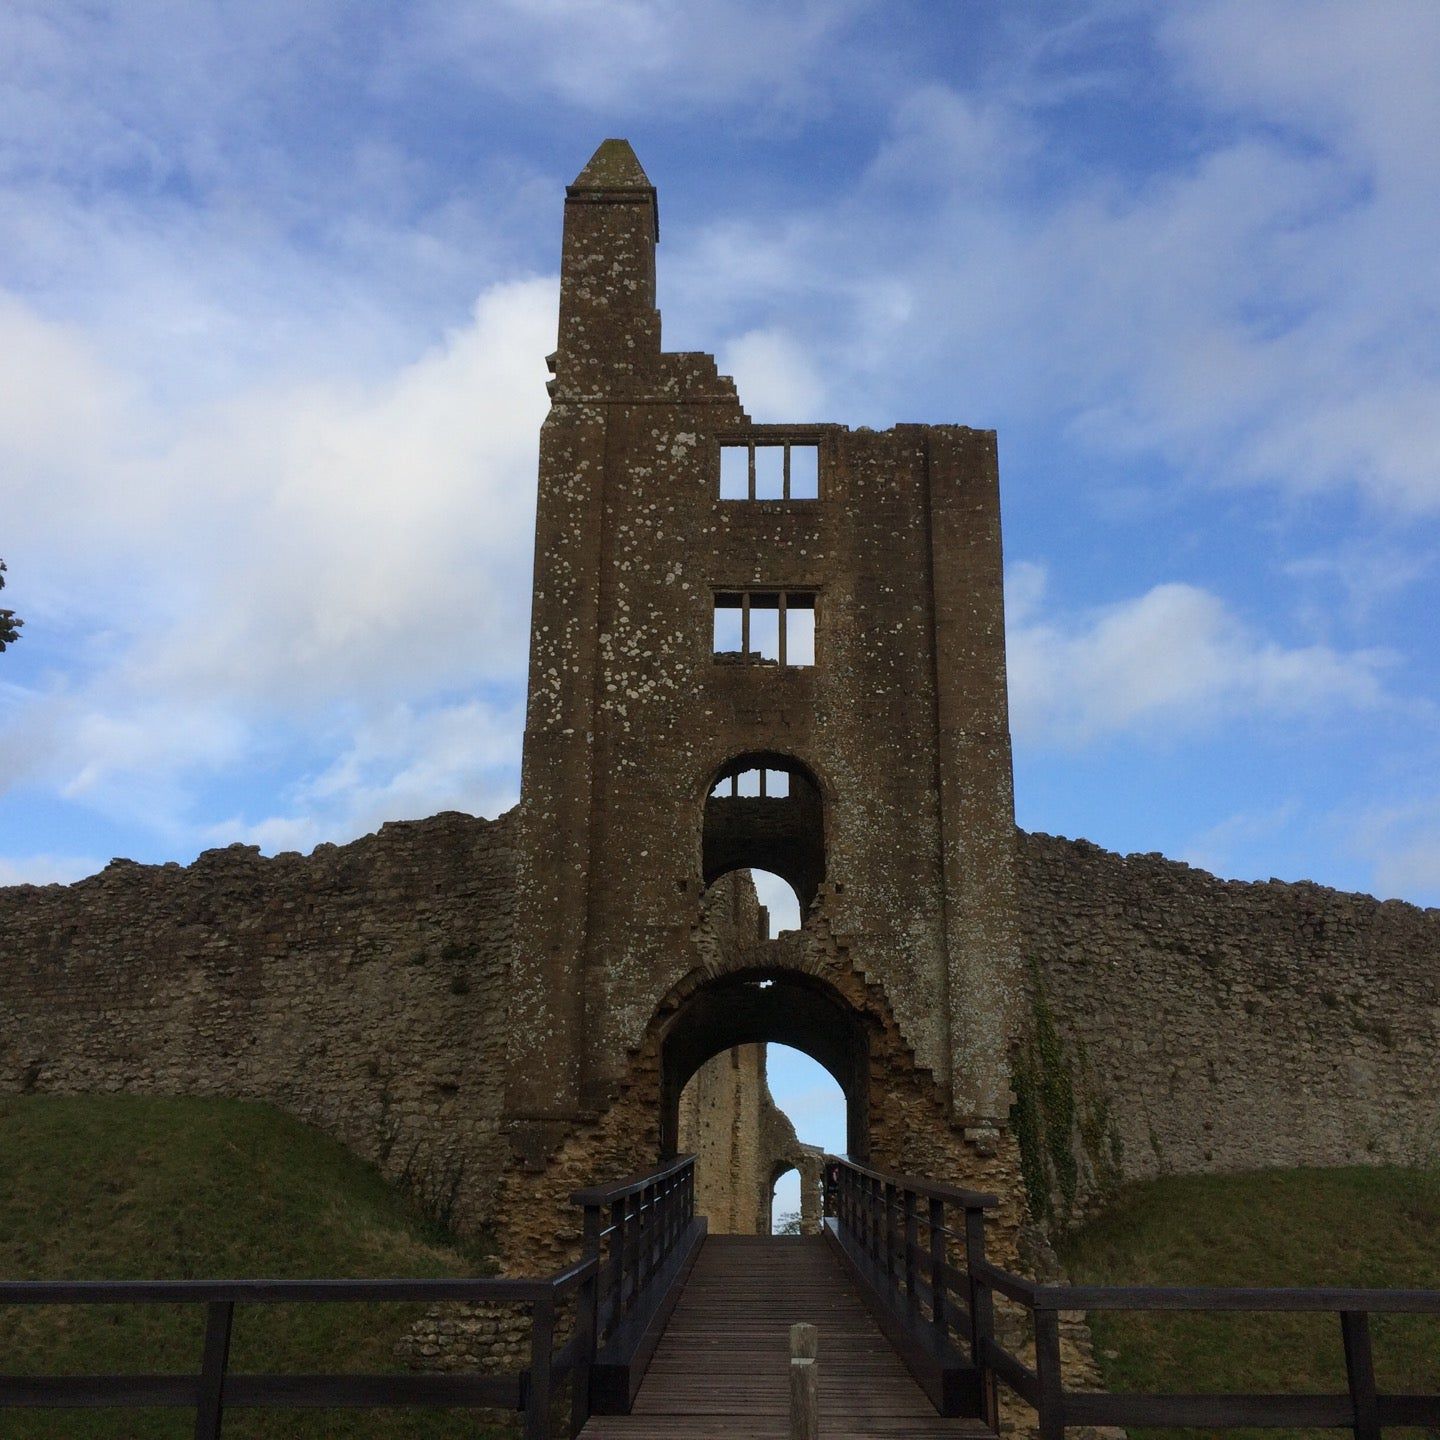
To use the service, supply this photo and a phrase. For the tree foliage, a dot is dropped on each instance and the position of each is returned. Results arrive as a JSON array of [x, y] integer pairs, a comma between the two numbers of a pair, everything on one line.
[[9, 625]]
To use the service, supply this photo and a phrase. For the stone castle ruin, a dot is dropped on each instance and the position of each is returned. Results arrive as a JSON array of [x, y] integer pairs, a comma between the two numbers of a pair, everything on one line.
[[774, 647]]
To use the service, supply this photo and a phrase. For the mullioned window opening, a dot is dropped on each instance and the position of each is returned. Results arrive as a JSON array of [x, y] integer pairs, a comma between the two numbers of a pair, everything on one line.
[[774, 471], [764, 627]]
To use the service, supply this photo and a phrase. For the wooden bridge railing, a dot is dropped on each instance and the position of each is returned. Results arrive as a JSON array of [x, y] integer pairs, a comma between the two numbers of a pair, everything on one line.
[[640, 1236], [910, 1242], [643, 1235], [215, 1390], [1362, 1410], [925, 1274]]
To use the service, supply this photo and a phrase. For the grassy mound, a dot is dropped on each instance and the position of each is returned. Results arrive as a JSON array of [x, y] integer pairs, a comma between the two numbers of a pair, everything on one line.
[[124, 1187], [1367, 1226]]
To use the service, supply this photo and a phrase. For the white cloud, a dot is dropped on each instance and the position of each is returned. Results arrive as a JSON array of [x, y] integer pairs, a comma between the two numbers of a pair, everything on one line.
[[1173, 660], [46, 869], [776, 379], [1401, 843], [299, 549], [639, 57], [400, 764], [1226, 847]]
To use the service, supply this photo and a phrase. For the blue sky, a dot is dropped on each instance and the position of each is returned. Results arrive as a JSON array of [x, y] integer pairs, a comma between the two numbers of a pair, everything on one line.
[[276, 284]]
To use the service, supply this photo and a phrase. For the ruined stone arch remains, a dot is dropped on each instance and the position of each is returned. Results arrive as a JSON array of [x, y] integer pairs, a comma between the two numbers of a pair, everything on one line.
[[768, 646]]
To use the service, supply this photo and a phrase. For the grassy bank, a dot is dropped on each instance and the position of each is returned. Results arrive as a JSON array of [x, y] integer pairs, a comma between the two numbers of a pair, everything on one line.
[[1368, 1226], [121, 1187]]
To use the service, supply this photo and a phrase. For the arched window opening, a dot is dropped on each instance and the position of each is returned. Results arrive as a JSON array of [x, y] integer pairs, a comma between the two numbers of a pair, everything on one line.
[[764, 812], [781, 903], [785, 1203]]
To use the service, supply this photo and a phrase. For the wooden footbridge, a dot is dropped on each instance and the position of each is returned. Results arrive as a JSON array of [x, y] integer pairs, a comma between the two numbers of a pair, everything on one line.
[[660, 1331]]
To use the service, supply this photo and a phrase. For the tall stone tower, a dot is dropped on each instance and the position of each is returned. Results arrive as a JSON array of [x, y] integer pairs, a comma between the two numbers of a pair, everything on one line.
[[769, 646]]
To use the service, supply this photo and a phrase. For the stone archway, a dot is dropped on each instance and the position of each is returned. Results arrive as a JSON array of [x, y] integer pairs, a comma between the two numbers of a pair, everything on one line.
[[760, 1005]]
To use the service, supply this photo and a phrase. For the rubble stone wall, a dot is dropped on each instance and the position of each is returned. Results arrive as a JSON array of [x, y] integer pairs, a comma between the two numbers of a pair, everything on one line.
[[1207, 1024], [361, 988], [1193, 1023]]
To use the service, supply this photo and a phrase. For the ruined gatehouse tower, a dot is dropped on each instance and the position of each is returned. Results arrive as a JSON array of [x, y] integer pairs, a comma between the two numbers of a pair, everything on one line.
[[496, 1011], [807, 678]]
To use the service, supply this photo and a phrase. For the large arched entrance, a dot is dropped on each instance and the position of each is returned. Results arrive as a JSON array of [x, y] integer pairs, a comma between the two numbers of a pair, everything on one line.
[[785, 1007]]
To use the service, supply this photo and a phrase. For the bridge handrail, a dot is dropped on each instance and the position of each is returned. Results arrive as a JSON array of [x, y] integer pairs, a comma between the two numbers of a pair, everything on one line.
[[911, 1253], [866, 1207], [1253, 1298], [289, 1292], [532, 1389], [632, 1184], [1363, 1409], [970, 1199], [642, 1233]]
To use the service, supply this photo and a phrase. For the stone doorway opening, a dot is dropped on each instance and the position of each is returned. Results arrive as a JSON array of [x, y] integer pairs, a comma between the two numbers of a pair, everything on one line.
[[764, 812], [750, 1010]]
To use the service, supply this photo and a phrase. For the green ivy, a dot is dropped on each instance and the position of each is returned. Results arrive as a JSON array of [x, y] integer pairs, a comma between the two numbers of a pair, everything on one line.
[[1054, 1118]]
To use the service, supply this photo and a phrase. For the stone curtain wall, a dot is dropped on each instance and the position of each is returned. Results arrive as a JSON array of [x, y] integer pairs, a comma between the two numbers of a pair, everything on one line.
[[1176, 1022], [1179, 1023], [361, 988]]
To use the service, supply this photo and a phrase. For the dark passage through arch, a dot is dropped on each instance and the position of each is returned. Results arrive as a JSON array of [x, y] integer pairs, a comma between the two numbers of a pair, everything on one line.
[[785, 1007]]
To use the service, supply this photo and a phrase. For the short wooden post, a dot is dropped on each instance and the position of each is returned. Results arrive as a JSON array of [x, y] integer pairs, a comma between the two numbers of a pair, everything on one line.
[[614, 1308], [938, 1318], [1047, 1370], [804, 1382], [911, 1244], [982, 1313], [542, 1347], [891, 1243], [1360, 1371], [210, 1413], [585, 1333]]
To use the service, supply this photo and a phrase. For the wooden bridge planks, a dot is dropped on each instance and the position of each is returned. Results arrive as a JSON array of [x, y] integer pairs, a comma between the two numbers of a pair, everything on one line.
[[722, 1366]]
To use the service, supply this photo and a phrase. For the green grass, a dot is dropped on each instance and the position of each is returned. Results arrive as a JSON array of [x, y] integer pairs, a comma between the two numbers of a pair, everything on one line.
[[119, 1187], [1365, 1226]]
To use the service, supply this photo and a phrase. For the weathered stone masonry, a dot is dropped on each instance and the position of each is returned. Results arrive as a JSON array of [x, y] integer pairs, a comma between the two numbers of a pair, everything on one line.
[[362, 988], [1221, 1025]]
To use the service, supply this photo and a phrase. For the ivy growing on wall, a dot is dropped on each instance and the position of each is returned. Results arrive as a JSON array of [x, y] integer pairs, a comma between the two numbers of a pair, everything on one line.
[[1061, 1120]]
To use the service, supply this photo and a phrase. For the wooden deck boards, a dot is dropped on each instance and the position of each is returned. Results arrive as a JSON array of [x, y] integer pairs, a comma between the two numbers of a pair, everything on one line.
[[723, 1365]]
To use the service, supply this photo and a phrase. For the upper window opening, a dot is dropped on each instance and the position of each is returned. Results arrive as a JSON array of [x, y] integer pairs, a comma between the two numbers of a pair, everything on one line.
[[752, 782], [778, 471], [765, 627]]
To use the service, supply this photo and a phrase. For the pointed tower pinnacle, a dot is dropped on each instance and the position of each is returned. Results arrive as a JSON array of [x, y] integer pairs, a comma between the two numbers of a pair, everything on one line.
[[608, 319], [613, 167]]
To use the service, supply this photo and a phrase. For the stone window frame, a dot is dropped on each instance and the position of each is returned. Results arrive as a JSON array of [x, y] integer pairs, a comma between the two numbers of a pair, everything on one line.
[[786, 598], [783, 442]]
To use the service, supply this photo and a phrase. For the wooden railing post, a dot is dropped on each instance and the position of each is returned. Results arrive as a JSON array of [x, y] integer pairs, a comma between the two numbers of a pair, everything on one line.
[[542, 1345], [890, 1245], [938, 1318], [210, 1412], [1047, 1369], [912, 1241], [982, 1312], [586, 1314], [1360, 1372], [804, 1382], [616, 1304]]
